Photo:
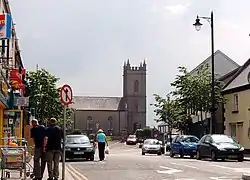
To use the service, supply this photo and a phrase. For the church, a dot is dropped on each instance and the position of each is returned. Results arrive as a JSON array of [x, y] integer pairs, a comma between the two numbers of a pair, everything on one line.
[[115, 114]]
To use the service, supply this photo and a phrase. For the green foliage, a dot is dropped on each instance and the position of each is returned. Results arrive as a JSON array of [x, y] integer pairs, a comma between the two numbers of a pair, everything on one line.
[[192, 94], [167, 110], [44, 96], [194, 91]]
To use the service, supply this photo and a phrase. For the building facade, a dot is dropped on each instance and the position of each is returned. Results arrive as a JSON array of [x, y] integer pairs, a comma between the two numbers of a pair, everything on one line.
[[237, 107], [12, 75], [115, 114]]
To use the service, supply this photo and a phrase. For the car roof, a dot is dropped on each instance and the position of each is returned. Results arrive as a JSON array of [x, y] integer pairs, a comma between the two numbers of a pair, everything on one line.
[[76, 135]]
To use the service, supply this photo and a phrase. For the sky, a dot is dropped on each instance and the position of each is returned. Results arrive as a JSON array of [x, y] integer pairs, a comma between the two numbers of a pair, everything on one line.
[[85, 42]]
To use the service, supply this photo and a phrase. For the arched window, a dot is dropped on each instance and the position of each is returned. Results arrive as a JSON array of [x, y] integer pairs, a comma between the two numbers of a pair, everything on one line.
[[110, 119], [136, 86], [89, 123]]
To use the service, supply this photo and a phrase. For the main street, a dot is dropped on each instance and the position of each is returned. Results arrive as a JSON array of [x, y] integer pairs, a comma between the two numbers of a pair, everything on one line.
[[127, 163]]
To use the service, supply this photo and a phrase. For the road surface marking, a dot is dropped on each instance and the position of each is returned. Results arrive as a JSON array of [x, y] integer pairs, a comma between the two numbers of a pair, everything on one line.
[[223, 167], [221, 178], [184, 165], [168, 171], [77, 174], [240, 170]]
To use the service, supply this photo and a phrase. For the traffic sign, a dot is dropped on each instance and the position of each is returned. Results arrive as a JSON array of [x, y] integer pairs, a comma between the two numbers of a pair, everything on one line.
[[66, 94]]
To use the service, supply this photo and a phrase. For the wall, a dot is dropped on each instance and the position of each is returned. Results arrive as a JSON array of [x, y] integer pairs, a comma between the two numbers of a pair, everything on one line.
[[242, 116], [100, 117]]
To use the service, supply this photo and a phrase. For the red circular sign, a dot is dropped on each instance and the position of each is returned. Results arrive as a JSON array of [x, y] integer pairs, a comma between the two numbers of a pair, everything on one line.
[[66, 94]]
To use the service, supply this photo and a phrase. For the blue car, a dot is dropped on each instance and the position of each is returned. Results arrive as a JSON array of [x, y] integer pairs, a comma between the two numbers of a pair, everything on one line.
[[184, 145]]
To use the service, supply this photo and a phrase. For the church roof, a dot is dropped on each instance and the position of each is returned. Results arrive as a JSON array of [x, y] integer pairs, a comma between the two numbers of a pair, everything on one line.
[[95, 103]]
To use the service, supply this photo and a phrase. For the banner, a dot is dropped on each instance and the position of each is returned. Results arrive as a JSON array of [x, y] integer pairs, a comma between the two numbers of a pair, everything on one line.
[[5, 26]]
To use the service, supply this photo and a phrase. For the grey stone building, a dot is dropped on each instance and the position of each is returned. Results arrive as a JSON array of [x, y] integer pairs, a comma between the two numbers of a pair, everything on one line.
[[115, 114]]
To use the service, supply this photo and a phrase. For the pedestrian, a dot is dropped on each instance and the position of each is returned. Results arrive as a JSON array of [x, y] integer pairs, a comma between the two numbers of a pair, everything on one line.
[[53, 149], [44, 155], [102, 142], [38, 134]]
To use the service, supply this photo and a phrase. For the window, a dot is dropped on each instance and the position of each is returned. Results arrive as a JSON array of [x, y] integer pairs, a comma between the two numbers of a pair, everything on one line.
[[236, 103], [136, 86], [110, 119], [89, 123], [233, 130]]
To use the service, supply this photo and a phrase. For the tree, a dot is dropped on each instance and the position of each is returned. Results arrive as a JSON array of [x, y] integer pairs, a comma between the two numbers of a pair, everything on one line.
[[44, 96], [194, 91], [166, 110]]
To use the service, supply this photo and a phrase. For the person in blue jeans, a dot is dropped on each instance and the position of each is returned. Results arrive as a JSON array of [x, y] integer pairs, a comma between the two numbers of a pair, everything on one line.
[[102, 142]]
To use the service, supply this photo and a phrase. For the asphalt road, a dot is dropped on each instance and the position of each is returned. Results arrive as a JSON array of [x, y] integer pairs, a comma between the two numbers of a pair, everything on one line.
[[127, 163]]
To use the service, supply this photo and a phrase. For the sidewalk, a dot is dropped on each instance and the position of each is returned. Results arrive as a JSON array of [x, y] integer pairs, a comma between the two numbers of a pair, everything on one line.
[[68, 174]]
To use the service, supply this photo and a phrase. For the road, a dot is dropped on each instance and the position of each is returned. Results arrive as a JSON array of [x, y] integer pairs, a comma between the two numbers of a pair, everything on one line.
[[127, 163]]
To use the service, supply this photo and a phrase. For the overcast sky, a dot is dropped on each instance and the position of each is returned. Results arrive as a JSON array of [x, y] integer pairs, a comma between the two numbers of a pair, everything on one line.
[[85, 42]]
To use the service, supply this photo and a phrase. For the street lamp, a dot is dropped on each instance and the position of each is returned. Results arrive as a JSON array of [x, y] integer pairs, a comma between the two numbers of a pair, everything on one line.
[[198, 25]]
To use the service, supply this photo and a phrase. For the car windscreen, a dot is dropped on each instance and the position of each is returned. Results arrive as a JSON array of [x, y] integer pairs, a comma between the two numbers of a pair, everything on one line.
[[132, 136], [77, 140], [190, 139], [223, 139], [151, 142]]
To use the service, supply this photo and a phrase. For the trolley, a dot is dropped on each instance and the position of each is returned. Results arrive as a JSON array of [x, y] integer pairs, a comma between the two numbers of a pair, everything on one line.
[[15, 159]]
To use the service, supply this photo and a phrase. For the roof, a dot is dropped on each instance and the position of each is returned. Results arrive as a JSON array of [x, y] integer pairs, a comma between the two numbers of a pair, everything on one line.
[[240, 78], [96, 103], [223, 64]]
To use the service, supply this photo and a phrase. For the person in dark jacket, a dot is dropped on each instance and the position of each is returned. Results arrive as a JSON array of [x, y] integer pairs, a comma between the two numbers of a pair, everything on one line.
[[38, 134], [53, 149]]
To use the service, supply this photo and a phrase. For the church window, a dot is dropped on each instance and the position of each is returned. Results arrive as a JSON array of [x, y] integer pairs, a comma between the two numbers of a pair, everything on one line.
[[89, 123], [110, 119], [136, 86]]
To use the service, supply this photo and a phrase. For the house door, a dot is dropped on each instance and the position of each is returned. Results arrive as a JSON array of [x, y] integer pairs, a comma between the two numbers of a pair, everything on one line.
[[239, 132]]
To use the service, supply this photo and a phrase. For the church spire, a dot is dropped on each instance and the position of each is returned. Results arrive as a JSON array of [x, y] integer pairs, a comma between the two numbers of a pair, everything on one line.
[[128, 63]]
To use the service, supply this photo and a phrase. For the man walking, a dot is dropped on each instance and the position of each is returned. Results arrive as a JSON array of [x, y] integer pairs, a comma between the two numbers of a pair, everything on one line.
[[55, 135], [102, 141], [44, 156], [38, 134]]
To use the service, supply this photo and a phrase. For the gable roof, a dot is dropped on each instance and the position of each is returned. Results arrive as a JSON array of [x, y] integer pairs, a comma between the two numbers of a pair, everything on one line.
[[223, 64], [240, 78], [96, 103]]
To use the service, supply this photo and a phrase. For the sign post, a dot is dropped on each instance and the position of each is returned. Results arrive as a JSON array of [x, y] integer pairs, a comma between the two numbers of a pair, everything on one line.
[[66, 96]]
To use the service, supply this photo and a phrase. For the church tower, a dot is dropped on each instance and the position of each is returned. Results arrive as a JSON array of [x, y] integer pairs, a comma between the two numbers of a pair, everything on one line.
[[134, 94]]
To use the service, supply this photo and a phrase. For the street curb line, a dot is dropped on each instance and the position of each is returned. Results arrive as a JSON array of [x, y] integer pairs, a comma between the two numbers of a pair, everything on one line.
[[246, 176], [76, 174]]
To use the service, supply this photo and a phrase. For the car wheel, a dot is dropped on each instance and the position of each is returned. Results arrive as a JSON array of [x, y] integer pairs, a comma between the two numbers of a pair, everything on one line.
[[159, 153], [142, 153], [140, 146], [241, 158], [198, 155], [171, 153], [181, 154], [213, 156], [192, 156], [92, 158]]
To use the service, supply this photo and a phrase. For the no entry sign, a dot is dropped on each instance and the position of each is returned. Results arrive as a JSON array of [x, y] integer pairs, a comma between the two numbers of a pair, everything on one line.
[[66, 94]]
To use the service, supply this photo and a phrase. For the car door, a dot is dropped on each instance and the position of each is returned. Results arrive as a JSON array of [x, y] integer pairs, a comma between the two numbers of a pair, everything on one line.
[[201, 146], [207, 146], [174, 144]]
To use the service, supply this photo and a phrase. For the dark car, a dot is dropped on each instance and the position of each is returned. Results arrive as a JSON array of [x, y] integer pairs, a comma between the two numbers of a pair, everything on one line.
[[131, 140], [79, 146], [219, 146], [184, 145]]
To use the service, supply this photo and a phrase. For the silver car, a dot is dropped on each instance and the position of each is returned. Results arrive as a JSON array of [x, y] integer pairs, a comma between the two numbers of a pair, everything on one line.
[[151, 146]]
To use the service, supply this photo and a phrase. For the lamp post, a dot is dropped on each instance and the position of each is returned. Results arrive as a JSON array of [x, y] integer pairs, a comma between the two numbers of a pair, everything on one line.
[[198, 25]]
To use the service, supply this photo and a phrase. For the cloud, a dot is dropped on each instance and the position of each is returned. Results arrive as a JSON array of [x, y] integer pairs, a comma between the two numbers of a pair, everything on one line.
[[177, 9]]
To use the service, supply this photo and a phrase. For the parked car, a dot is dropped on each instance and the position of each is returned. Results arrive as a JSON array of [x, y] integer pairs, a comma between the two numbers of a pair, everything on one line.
[[131, 140], [184, 145], [219, 146], [79, 146], [151, 146]]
